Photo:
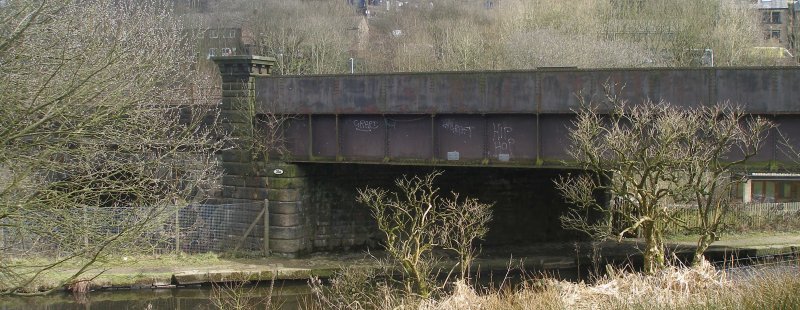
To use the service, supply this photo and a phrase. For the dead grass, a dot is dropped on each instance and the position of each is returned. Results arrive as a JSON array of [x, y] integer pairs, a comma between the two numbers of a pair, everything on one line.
[[700, 287]]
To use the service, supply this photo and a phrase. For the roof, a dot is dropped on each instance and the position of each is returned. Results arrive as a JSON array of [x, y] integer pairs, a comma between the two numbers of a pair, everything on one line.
[[772, 4], [773, 176]]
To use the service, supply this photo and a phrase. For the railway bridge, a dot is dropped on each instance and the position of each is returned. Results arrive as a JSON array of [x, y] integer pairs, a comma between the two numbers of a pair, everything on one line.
[[500, 136]]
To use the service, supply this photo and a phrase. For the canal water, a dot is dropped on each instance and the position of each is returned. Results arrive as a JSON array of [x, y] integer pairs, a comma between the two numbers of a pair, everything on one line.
[[286, 296]]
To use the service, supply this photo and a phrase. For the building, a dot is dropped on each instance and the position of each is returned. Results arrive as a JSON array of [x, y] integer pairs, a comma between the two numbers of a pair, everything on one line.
[[217, 35], [776, 21], [770, 188], [794, 37]]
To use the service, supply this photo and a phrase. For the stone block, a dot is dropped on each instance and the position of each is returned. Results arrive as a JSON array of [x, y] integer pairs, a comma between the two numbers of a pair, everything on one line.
[[242, 85], [320, 243], [285, 220], [235, 129], [250, 193], [243, 91], [235, 155], [283, 207], [292, 182], [232, 180], [287, 170], [284, 195], [334, 242], [229, 191], [243, 169], [286, 246], [255, 181], [286, 233]]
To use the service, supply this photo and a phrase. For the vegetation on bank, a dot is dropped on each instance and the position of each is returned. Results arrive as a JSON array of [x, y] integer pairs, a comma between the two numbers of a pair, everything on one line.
[[698, 287], [320, 37]]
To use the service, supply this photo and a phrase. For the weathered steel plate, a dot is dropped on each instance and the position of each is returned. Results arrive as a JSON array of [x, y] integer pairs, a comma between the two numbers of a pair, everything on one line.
[[297, 137], [362, 136], [763, 90], [458, 93], [358, 94], [512, 138], [561, 91], [511, 92], [760, 91], [554, 136], [460, 137], [410, 136], [324, 141], [408, 94], [788, 140]]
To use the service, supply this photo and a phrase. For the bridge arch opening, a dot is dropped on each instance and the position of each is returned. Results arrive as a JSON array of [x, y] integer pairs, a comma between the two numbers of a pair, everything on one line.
[[526, 209]]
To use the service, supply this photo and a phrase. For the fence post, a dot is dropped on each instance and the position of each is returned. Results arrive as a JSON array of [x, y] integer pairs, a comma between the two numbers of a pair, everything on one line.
[[85, 228], [177, 231], [266, 227]]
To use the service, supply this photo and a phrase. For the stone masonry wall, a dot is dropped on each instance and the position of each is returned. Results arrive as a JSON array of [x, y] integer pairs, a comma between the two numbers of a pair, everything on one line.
[[250, 180]]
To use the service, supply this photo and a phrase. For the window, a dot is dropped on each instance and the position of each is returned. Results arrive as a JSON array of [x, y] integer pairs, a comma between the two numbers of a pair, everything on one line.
[[775, 191], [775, 35], [230, 33], [773, 17], [212, 33], [212, 52]]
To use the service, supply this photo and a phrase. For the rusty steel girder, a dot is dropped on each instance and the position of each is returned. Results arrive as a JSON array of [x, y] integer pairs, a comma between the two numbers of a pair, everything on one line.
[[531, 140], [499, 118]]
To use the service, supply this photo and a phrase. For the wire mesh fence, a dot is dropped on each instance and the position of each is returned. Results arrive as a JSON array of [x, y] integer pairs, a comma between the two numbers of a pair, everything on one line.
[[194, 228], [218, 228]]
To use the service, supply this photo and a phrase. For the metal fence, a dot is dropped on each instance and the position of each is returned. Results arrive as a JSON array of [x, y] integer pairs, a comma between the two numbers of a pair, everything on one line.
[[219, 228], [198, 228]]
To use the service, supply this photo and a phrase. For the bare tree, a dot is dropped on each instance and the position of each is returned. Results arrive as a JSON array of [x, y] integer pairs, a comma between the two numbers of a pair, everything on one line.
[[724, 137], [649, 156], [466, 221], [103, 125], [416, 220]]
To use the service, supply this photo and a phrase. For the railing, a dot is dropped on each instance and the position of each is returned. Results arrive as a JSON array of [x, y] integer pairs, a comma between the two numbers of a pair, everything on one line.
[[748, 216]]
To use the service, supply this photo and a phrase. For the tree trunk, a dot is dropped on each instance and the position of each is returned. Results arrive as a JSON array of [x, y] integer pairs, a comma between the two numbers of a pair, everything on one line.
[[654, 248], [702, 245]]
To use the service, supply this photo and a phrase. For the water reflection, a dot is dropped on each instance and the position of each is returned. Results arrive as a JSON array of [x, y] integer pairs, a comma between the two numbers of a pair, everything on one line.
[[286, 295]]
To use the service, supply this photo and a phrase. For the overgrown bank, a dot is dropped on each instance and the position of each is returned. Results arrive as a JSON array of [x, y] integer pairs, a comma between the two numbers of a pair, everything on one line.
[[700, 287]]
